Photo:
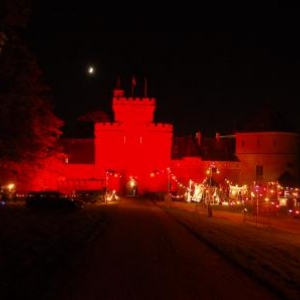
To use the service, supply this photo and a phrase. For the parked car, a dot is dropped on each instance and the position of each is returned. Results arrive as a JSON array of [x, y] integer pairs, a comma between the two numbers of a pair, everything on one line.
[[51, 199], [90, 196]]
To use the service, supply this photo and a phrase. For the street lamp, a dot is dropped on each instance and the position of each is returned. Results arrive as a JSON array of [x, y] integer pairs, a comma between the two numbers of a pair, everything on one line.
[[168, 195], [189, 196], [210, 171], [169, 182]]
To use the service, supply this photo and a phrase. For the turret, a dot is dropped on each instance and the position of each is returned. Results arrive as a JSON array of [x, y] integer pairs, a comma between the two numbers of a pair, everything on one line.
[[133, 109]]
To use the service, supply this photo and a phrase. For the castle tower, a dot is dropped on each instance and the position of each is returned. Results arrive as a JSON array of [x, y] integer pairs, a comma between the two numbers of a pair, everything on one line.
[[132, 110], [133, 145]]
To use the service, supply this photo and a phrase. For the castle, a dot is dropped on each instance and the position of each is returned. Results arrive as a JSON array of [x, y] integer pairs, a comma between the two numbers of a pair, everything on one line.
[[134, 155]]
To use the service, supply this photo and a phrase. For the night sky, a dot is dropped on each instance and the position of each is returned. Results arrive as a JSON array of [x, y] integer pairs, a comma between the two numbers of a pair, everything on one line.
[[204, 81]]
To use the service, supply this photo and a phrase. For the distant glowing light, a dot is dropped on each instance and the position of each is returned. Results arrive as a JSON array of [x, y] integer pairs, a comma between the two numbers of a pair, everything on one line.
[[91, 70], [10, 186]]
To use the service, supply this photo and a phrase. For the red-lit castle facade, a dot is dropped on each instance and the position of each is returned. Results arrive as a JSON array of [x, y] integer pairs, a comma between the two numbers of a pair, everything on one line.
[[134, 155], [127, 151]]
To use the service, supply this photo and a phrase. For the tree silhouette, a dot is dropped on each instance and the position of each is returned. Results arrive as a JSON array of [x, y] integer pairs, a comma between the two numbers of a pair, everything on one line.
[[94, 117], [29, 130]]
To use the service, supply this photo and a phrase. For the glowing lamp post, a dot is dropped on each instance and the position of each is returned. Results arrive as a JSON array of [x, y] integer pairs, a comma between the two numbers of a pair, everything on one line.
[[210, 172], [169, 182], [189, 191], [168, 195]]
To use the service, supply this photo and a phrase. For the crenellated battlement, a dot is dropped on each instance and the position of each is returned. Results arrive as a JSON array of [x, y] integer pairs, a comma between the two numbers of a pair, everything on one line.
[[108, 126], [111, 126], [145, 101], [164, 126]]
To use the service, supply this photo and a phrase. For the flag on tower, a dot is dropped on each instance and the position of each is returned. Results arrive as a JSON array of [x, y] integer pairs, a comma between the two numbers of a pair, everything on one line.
[[133, 84], [133, 81], [118, 85]]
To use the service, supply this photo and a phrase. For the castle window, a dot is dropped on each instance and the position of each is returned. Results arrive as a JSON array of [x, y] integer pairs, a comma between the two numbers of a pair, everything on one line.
[[258, 142], [274, 142], [243, 143], [259, 171]]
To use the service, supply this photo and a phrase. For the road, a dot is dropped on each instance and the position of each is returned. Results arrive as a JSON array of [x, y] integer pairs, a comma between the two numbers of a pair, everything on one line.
[[143, 253]]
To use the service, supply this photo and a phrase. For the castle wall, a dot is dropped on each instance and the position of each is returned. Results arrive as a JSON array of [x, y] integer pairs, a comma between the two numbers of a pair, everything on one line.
[[196, 169], [275, 152], [133, 150], [80, 176], [133, 110]]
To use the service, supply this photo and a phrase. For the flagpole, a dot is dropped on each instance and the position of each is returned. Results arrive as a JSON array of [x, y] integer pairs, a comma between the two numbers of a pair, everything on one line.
[[133, 83], [146, 88], [132, 87], [118, 85]]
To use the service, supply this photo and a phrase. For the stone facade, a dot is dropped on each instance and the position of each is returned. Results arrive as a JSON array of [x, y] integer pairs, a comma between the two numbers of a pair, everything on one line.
[[135, 155]]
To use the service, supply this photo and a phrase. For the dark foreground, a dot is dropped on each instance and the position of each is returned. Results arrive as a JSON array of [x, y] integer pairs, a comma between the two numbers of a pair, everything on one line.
[[132, 249]]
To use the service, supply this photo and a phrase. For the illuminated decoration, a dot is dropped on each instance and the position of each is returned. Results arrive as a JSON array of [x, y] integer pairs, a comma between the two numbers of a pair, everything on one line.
[[7, 192], [188, 192], [66, 158], [192, 191], [10, 186], [290, 198], [264, 196], [198, 193], [110, 196], [211, 192], [238, 194], [132, 186], [169, 182], [265, 191], [108, 174]]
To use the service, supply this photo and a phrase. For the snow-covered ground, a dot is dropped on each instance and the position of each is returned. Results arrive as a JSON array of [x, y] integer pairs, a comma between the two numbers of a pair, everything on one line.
[[268, 250], [32, 244]]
